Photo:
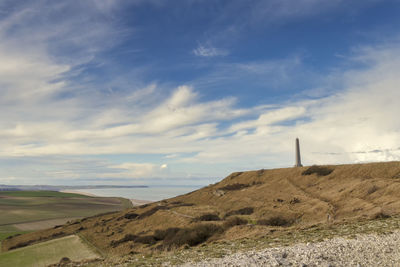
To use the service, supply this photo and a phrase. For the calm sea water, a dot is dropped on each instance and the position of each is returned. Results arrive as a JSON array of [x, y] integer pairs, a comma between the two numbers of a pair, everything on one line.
[[153, 193]]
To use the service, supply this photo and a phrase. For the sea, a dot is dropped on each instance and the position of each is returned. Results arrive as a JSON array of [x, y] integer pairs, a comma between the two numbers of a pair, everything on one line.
[[151, 193]]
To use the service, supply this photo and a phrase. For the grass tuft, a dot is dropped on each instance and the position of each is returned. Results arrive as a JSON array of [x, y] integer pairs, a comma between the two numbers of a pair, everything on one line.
[[243, 211], [233, 221], [207, 218], [275, 221], [319, 170]]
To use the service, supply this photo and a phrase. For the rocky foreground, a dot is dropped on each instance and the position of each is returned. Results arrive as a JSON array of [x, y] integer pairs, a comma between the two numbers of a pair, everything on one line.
[[363, 250]]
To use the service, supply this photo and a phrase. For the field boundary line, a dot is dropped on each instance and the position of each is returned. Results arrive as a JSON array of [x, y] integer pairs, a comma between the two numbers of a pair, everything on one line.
[[91, 246]]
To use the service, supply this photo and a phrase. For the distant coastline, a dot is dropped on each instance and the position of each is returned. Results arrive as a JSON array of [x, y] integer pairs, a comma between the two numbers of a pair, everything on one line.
[[135, 202], [63, 187], [138, 194]]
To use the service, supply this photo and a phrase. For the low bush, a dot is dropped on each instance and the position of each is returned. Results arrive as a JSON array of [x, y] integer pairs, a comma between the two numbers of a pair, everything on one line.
[[233, 221], [235, 174], [166, 234], [131, 216], [22, 244], [244, 211], [193, 236], [146, 239], [294, 200], [181, 204], [380, 215], [207, 218], [126, 238], [319, 170], [58, 234], [232, 187], [275, 221], [372, 189]]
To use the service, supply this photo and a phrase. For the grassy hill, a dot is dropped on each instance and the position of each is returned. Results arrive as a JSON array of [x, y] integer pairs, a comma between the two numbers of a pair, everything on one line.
[[243, 206]]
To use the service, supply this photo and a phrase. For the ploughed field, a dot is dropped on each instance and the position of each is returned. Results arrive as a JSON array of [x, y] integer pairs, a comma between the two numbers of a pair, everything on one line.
[[26, 211], [263, 206]]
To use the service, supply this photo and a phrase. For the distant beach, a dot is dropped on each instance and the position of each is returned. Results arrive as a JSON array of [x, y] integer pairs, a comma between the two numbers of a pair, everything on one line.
[[135, 202]]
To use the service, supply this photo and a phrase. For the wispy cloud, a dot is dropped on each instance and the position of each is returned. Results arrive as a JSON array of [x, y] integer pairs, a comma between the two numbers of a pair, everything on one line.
[[358, 118], [206, 50]]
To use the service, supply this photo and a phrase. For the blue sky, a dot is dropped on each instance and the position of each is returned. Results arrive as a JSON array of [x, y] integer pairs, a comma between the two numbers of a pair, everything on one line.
[[188, 91]]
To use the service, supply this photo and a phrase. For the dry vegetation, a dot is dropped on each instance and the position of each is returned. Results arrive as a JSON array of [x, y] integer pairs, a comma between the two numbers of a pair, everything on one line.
[[247, 205]]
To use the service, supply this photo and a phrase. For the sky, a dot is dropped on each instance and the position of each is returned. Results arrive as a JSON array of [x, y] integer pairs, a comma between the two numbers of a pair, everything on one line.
[[188, 91]]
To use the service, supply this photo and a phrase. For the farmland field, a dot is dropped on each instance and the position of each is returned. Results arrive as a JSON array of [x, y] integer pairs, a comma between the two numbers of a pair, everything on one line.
[[23, 211], [49, 252]]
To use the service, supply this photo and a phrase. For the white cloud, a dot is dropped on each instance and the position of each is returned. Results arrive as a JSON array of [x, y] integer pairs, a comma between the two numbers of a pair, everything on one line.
[[207, 50], [164, 166], [358, 119]]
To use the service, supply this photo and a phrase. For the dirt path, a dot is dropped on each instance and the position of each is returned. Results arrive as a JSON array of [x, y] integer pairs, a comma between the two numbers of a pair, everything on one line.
[[332, 207]]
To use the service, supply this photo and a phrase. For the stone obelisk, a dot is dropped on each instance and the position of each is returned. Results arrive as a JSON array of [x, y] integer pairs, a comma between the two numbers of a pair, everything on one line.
[[298, 159]]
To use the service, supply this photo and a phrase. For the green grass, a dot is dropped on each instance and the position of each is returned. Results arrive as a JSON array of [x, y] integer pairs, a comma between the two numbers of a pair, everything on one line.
[[41, 194], [49, 252]]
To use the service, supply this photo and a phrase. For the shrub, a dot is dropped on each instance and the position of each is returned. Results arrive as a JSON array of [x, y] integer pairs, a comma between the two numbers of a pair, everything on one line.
[[236, 186], [146, 239], [181, 204], [208, 217], [193, 236], [126, 238], [319, 170], [372, 189], [295, 200], [244, 211], [166, 234], [275, 221], [22, 244], [234, 221], [130, 216], [235, 174], [380, 215], [58, 234]]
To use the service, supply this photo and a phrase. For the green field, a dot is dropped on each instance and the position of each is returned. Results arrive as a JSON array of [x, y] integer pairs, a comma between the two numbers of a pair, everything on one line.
[[23, 211], [41, 194], [49, 252]]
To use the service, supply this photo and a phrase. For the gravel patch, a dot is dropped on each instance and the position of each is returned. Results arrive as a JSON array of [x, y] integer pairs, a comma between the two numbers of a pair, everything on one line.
[[363, 250]]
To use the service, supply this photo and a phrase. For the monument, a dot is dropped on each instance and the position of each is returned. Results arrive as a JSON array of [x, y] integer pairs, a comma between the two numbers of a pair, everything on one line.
[[298, 159]]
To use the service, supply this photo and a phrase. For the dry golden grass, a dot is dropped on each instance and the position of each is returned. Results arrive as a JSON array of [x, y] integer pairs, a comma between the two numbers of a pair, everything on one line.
[[350, 193]]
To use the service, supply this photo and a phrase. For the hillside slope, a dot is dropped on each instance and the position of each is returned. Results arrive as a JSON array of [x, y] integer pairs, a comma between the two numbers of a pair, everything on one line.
[[244, 204]]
